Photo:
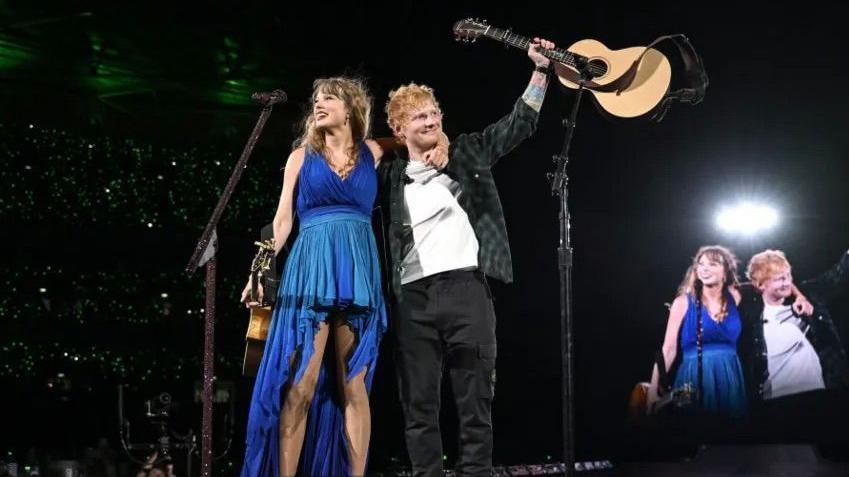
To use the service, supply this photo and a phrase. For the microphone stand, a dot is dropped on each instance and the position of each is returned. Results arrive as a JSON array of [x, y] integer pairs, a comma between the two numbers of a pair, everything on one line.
[[559, 187], [204, 255]]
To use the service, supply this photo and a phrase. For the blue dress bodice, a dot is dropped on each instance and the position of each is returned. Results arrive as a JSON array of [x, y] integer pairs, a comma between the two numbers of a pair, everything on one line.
[[322, 191], [714, 334]]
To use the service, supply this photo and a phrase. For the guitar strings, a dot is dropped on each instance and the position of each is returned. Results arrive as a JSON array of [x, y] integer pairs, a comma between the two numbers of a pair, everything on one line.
[[524, 43]]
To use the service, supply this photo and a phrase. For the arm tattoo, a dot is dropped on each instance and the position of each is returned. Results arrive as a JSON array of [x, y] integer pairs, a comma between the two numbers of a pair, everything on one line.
[[535, 93]]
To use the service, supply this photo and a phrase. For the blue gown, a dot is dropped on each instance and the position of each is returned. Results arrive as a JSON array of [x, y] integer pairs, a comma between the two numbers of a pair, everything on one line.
[[333, 265], [723, 385]]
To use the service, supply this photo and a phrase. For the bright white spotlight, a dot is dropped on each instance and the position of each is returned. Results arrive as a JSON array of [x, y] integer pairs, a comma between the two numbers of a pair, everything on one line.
[[747, 219]]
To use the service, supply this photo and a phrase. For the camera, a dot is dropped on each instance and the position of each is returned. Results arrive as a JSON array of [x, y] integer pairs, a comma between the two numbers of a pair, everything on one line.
[[158, 407]]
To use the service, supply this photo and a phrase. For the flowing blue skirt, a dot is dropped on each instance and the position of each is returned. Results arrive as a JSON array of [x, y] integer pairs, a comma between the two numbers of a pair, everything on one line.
[[333, 266], [723, 386]]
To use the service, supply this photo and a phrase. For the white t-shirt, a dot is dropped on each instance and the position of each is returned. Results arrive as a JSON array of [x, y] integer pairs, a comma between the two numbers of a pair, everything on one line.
[[794, 366], [443, 237]]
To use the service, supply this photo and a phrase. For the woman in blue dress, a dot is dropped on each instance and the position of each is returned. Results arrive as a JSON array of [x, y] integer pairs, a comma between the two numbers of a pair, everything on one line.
[[330, 291], [705, 322]]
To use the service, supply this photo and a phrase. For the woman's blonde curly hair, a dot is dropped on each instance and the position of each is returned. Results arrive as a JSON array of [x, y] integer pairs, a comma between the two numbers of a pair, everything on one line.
[[358, 102]]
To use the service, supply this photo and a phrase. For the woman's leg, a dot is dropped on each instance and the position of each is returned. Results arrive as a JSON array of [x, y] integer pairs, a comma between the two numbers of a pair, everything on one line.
[[356, 405], [296, 404]]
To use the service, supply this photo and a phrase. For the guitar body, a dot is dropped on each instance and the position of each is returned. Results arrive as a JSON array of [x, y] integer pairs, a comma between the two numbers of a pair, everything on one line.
[[651, 81], [638, 400], [675, 398], [255, 339], [625, 83]]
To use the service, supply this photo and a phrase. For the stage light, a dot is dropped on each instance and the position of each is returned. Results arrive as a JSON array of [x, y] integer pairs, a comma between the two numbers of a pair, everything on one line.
[[747, 219]]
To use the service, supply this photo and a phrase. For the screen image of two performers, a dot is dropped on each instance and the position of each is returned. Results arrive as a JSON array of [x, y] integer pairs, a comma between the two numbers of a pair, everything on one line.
[[741, 338]]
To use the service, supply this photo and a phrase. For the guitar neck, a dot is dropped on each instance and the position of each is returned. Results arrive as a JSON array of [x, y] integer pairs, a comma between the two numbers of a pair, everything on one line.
[[254, 284], [561, 55]]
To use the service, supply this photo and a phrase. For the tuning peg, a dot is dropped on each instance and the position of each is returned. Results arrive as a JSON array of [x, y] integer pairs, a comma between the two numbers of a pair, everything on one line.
[[474, 40]]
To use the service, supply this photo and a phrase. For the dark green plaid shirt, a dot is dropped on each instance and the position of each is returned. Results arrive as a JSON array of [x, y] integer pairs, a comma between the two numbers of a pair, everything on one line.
[[471, 157]]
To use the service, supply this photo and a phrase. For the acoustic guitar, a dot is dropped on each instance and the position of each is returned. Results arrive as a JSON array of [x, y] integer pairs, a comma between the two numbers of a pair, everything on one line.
[[260, 318], [683, 396], [625, 83]]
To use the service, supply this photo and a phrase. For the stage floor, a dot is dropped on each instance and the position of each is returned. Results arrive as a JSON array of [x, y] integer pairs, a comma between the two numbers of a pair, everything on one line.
[[711, 461]]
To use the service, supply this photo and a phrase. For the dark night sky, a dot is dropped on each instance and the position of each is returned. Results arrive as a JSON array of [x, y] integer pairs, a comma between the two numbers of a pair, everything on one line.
[[643, 195]]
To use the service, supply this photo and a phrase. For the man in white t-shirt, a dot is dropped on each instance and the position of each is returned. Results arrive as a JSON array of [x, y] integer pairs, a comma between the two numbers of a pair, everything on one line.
[[446, 232], [802, 351]]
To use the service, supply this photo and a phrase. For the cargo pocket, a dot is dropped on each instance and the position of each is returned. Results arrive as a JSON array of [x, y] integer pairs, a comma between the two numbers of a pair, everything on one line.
[[486, 357]]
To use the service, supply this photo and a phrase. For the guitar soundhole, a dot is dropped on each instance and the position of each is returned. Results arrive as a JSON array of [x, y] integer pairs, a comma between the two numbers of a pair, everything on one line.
[[597, 68]]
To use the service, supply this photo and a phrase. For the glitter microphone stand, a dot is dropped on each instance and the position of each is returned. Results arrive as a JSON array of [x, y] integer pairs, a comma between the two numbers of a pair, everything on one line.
[[204, 255]]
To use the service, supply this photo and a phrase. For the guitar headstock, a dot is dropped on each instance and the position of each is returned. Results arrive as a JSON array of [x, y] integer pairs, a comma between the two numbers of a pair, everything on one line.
[[470, 29], [262, 260]]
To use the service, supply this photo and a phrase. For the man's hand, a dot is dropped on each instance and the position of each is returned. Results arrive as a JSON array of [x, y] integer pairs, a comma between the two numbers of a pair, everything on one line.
[[801, 306], [534, 52], [438, 156]]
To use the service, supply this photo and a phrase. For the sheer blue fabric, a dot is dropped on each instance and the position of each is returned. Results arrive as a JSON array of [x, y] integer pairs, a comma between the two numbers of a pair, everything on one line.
[[333, 265]]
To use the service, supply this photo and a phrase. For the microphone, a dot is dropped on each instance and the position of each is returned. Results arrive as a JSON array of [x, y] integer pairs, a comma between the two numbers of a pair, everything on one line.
[[267, 98]]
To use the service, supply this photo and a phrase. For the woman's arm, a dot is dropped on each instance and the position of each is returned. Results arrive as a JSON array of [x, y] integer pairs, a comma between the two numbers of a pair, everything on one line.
[[736, 294], [670, 344], [282, 223], [381, 146]]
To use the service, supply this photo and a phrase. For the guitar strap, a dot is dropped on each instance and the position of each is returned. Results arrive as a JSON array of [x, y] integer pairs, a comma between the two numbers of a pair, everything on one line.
[[663, 375], [694, 73]]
